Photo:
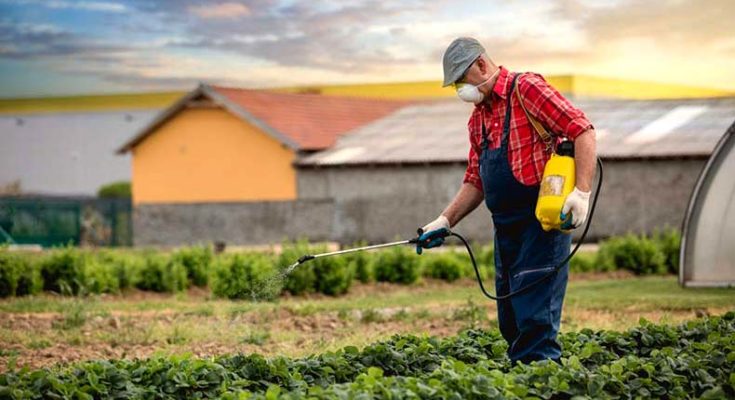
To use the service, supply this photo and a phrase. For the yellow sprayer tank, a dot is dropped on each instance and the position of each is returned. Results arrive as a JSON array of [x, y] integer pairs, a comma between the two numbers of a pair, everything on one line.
[[556, 184]]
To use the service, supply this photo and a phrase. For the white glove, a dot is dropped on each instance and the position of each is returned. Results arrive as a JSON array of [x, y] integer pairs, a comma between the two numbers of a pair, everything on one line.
[[578, 202], [440, 222]]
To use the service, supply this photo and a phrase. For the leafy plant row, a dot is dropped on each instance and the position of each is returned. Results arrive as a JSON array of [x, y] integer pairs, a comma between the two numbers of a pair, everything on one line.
[[259, 275], [692, 360]]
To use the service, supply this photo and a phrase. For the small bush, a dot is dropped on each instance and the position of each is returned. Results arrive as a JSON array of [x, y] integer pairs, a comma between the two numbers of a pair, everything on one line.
[[245, 276], [361, 263], [99, 277], [333, 275], [115, 190], [18, 275], [197, 261], [162, 274], [329, 275], [584, 262], [634, 253], [484, 256], [446, 266], [126, 266], [397, 265], [63, 268], [302, 279], [668, 241]]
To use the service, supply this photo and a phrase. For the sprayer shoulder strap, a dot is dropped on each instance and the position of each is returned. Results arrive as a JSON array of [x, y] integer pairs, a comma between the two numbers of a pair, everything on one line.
[[537, 126]]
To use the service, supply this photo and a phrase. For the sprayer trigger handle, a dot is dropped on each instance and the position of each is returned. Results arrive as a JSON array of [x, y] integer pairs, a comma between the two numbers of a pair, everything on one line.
[[416, 239]]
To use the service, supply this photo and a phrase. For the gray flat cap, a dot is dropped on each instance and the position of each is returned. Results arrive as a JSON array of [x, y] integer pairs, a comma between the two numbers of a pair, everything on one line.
[[460, 54]]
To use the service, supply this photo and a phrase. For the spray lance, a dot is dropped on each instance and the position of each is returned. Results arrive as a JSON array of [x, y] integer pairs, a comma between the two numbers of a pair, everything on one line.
[[557, 182]]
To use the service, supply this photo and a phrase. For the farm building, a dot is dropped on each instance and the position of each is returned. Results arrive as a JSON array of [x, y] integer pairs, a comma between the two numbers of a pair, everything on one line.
[[707, 252], [402, 170], [220, 144]]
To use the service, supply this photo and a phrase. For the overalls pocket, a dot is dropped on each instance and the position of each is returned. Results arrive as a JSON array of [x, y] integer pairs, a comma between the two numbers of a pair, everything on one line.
[[533, 307]]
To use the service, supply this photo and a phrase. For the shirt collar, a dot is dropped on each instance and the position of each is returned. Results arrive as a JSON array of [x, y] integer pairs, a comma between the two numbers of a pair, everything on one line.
[[501, 84]]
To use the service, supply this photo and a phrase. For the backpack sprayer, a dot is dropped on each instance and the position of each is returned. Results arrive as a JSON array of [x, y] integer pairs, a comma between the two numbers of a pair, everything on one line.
[[557, 182]]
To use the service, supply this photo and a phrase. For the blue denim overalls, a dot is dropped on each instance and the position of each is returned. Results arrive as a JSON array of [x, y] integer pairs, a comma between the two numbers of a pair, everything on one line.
[[524, 252]]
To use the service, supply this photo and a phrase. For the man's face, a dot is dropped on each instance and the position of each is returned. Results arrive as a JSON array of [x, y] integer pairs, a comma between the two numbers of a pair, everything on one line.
[[476, 74]]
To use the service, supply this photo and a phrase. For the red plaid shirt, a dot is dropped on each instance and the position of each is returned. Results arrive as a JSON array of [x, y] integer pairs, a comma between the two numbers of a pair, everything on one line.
[[526, 151]]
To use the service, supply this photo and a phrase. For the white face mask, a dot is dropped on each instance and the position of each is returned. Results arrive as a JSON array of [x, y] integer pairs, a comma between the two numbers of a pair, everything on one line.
[[472, 93]]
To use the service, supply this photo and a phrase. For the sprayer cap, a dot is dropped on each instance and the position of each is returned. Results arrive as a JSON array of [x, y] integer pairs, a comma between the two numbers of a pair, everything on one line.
[[565, 148]]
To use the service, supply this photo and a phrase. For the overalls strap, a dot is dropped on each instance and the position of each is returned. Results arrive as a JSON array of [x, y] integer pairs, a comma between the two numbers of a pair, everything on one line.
[[506, 123]]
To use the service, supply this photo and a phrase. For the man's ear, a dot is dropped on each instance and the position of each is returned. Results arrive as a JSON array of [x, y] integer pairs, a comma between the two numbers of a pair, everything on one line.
[[482, 65]]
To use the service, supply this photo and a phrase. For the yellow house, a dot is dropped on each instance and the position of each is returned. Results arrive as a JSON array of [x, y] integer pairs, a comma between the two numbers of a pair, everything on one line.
[[220, 144]]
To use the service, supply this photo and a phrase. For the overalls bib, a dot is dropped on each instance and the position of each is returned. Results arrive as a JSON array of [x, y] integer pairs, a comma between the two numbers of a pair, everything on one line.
[[524, 252]]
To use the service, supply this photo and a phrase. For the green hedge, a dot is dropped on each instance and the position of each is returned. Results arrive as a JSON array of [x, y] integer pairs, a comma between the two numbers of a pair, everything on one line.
[[19, 276], [70, 270], [362, 263], [635, 253], [328, 275], [162, 273], [196, 261], [397, 265], [245, 276], [669, 243], [445, 266]]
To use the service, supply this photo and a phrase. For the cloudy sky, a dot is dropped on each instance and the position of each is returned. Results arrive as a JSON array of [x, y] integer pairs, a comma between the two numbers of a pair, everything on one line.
[[57, 47]]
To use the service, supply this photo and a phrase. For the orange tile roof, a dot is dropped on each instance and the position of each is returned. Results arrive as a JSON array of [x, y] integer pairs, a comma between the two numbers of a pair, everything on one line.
[[313, 121]]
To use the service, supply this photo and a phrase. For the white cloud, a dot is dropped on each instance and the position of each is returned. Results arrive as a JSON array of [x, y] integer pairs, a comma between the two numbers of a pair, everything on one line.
[[102, 6], [221, 10]]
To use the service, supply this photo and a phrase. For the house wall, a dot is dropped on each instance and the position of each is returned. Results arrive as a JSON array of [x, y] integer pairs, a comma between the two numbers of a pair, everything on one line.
[[210, 155]]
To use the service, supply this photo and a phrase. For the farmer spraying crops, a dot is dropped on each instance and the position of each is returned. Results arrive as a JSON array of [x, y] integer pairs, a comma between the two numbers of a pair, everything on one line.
[[518, 121]]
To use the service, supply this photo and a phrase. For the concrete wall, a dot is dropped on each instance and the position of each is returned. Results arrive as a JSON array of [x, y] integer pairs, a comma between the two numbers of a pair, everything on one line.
[[232, 223], [380, 204], [637, 196], [640, 196]]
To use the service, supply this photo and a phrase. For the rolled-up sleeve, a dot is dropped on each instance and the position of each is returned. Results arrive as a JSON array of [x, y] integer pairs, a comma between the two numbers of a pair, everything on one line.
[[551, 108], [472, 174]]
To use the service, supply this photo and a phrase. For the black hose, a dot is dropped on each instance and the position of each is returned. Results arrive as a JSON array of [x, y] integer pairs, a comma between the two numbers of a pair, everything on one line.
[[556, 268]]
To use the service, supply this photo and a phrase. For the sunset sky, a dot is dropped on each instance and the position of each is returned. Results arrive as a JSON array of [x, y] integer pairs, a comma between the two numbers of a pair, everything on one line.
[[59, 47]]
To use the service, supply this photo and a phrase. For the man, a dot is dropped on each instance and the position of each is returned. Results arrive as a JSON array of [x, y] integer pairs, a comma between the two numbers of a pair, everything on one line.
[[506, 163]]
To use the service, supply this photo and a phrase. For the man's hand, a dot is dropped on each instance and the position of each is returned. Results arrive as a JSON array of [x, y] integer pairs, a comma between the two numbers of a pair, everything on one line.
[[577, 203], [434, 234]]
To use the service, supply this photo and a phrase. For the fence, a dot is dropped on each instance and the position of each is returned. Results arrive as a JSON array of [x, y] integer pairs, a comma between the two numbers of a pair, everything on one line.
[[54, 221]]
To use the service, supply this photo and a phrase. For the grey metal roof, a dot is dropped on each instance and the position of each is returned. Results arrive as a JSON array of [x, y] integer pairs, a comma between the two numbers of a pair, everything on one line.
[[67, 153], [437, 131]]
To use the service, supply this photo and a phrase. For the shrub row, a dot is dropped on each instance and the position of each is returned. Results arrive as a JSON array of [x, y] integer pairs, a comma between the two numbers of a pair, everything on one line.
[[262, 275], [691, 360], [72, 271], [658, 254]]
